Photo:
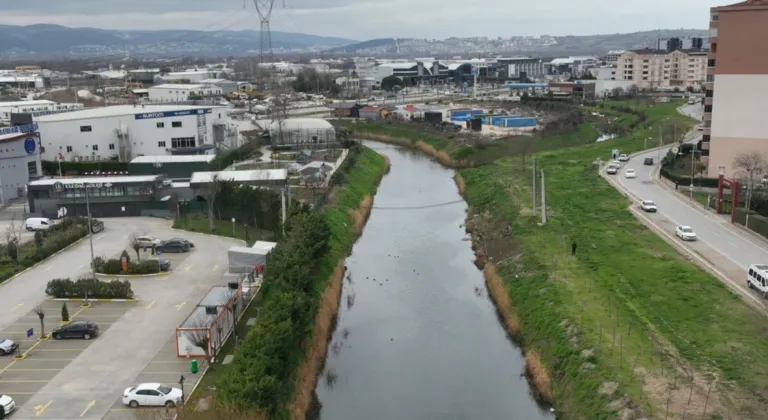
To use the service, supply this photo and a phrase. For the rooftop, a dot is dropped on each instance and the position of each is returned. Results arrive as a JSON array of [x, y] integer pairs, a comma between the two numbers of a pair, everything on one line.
[[96, 180], [264, 247], [26, 103], [211, 81], [240, 176], [179, 86], [115, 111], [173, 159], [218, 296]]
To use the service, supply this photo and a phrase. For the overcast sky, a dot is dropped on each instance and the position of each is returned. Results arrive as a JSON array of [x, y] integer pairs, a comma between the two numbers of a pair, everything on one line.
[[366, 19]]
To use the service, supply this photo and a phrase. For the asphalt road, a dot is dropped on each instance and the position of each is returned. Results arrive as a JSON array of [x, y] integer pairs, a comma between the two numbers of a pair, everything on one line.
[[723, 247]]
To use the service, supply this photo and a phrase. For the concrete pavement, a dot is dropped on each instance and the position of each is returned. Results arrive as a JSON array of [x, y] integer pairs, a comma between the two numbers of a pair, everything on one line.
[[720, 248]]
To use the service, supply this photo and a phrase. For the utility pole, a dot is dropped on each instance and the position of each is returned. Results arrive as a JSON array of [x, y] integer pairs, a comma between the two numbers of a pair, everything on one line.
[[693, 154], [661, 143], [533, 190], [543, 200], [282, 204]]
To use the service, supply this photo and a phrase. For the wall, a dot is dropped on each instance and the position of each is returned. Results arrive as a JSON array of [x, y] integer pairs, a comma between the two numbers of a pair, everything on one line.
[[119, 207], [14, 172], [742, 42], [172, 93], [145, 135]]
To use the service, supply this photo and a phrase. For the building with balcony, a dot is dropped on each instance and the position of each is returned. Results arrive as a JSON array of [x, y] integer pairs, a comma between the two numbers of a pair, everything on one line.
[[736, 86], [172, 92], [657, 69], [123, 132]]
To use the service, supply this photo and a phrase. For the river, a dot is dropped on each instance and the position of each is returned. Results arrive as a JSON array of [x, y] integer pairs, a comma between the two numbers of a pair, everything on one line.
[[417, 336]]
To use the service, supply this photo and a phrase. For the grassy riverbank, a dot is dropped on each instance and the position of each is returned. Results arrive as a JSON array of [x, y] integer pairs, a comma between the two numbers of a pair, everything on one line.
[[626, 326]]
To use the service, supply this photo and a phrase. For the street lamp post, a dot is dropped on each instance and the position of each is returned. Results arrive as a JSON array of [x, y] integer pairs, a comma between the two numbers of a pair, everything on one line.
[[90, 229]]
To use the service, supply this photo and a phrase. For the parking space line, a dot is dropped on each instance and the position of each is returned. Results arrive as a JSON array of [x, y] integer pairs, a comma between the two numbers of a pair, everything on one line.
[[17, 307], [47, 268], [150, 305], [88, 407], [40, 409], [37, 381], [215, 267], [187, 268], [34, 370], [72, 350], [180, 305]]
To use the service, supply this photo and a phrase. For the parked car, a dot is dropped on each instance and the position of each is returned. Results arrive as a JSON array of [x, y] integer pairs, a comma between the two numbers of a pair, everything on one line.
[[8, 346], [38, 223], [685, 233], [76, 329], [648, 205], [648, 161], [165, 265], [630, 174], [616, 163], [191, 245], [623, 158], [148, 241], [173, 246], [7, 404], [150, 394]]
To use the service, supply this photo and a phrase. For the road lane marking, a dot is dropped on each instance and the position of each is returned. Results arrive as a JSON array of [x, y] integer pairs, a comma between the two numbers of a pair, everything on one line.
[[8, 366], [88, 407], [150, 305], [34, 370], [187, 268], [83, 349], [40, 409], [215, 267], [180, 305], [81, 266], [26, 382], [17, 307]]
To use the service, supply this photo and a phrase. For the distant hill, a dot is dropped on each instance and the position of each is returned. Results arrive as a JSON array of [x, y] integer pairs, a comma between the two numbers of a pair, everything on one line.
[[50, 41], [544, 45]]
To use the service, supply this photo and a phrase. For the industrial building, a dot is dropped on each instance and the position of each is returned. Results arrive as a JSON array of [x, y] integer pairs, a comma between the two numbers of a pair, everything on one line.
[[295, 132], [736, 86], [146, 76], [173, 92], [519, 67], [226, 86], [19, 163], [189, 76], [23, 80], [126, 131], [34, 108]]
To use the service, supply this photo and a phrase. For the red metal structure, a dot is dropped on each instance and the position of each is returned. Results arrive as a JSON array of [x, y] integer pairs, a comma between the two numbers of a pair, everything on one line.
[[734, 187]]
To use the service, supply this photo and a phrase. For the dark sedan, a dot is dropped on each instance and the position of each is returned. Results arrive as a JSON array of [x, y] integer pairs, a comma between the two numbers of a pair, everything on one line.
[[165, 265], [77, 329], [191, 245], [648, 161], [173, 245]]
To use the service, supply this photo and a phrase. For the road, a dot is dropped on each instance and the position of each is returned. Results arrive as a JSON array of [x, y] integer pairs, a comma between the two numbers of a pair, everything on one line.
[[721, 247]]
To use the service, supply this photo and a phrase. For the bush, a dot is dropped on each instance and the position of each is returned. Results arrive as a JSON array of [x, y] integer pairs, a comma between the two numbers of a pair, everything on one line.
[[115, 266], [91, 287], [686, 180], [64, 312]]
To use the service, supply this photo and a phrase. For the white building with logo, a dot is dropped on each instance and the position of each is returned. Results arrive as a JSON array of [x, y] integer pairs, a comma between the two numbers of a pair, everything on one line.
[[19, 160], [173, 92], [125, 131]]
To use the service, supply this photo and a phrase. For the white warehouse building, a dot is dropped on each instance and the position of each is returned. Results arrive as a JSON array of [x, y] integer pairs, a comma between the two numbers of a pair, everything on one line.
[[127, 131], [177, 92]]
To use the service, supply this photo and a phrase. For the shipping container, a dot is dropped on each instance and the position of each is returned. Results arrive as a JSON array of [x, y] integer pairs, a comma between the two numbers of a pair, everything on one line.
[[476, 112], [433, 117], [519, 122], [497, 119]]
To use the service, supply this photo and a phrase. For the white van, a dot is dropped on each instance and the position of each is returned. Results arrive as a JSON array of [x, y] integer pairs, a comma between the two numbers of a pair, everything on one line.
[[38, 223], [757, 278]]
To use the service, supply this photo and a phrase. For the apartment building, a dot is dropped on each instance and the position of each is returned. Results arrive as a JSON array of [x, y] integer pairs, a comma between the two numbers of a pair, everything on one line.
[[736, 86], [662, 69]]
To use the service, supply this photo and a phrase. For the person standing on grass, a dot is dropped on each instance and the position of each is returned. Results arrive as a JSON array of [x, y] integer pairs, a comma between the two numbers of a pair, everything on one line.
[[573, 248]]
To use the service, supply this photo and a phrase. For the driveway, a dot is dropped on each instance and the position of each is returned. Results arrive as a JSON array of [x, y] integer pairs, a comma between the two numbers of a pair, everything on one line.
[[721, 247]]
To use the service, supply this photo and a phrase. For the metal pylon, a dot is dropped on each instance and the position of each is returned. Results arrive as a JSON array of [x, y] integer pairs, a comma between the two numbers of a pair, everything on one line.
[[264, 9]]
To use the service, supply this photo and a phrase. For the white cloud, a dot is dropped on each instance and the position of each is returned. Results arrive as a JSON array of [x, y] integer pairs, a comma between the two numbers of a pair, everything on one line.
[[366, 19]]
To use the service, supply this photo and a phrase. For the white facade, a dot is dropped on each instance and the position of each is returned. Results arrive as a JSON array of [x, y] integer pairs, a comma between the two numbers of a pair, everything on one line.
[[739, 124], [19, 163], [192, 76], [659, 69], [178, 92], [127, 131], [38, 107], [226, 86]]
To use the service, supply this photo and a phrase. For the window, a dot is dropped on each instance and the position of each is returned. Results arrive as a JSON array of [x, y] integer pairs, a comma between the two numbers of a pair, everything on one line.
[[707, 108], [42, 149], [176, 124], [85, 129], [111, 146], [32, 169], [707, 123], [69, 148], [95, 147], [161, 144], [715, 18], [160, 125], [710, 78], [182, 142], [711, 62], [709, 93]]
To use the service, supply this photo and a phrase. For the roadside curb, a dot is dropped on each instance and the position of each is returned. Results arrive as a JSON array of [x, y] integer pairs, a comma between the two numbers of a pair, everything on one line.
[[2, 283], [132, 276], [89, 300], [206, 234], [194, 387]]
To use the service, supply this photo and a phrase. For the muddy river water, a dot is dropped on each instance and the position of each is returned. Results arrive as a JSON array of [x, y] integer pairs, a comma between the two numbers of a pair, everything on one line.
[[417, 336]]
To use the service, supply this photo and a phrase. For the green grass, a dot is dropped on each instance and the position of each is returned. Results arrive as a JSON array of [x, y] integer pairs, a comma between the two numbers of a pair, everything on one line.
[[198, 222], [622, 274]]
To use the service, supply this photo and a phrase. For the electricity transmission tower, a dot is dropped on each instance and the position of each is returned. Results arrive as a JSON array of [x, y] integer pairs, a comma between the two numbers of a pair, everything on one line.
[[264, 9]]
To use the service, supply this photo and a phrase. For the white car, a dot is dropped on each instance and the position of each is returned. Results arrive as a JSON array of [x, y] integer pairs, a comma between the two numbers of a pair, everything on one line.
[[611, 169], [648, 205], [630, 173], [685, 233], [623, 158], [151, 394], [617, 163], [7, 346], [147, 241], [7, 404]]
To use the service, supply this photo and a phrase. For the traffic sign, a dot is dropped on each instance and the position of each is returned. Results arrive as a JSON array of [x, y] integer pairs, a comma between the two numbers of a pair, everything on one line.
[[30, 332], [475, 71], [675, 150], [62, 212], [30, 145]]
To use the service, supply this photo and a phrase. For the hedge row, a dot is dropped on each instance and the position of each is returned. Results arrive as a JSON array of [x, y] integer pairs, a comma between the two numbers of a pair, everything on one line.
[[74, 168], [115, 266], [91, 288], [259, 376], [686, 180]]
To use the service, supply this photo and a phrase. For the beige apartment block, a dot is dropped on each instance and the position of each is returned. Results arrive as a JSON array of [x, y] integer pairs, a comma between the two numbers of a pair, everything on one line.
[[661, 69], [736, 88]]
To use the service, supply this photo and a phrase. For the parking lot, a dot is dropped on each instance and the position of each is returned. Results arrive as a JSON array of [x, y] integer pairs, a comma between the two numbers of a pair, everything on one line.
[[78, 379], [44, 359]]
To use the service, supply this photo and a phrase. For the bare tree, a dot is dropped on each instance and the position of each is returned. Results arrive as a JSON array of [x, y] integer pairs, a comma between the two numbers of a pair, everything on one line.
[[213, 190], [40, 311], [200, 336], [133, 243], [752, 166]]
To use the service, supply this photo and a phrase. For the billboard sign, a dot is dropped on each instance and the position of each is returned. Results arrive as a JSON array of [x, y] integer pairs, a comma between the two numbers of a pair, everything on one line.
[[29, 128], [150, 115]]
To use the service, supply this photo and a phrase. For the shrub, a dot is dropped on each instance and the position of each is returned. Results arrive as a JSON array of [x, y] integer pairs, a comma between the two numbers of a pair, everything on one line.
[[115, 266], [64, 312], [91, 287]]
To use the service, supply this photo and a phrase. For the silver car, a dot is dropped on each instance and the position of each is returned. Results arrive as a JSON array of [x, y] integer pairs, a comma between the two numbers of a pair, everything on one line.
[[7, 346]]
